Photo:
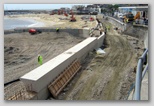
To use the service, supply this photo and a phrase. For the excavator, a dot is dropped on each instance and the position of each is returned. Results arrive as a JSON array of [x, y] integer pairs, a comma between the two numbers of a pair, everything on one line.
[[72, 18], [137, 17], [128, 17], [65, 14]]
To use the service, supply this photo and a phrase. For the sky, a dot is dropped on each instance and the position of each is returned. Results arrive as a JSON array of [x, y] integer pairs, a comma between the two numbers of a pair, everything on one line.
[[37, 6]]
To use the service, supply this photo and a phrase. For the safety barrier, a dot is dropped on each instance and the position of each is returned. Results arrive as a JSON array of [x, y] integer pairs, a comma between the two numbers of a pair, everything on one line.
[[75, 32], [140, 75]]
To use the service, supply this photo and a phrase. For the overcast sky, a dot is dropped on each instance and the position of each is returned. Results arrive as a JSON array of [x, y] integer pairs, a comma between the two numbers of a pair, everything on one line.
[[36, 6]]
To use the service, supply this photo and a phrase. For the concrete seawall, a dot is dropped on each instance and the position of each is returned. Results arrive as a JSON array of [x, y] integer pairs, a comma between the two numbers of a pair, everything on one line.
[[42, 76], [140, 32], [137, 31], [117, 23], [75, 32], [122, 26]]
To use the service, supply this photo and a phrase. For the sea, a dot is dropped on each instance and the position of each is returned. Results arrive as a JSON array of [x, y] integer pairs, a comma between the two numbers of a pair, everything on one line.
[[12, 23]]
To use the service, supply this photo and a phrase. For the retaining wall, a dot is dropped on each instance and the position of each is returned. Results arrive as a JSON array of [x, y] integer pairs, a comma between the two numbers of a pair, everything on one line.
[[41, 77], [75, 32], [122, 26], [138, 31], [117, 23]]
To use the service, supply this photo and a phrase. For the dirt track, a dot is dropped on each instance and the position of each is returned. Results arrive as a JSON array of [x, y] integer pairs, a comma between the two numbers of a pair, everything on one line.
[[21, 51], [108, 76]]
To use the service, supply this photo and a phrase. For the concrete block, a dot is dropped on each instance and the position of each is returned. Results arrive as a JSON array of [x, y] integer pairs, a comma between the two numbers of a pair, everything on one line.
[[117, 23], [100, 40], [41, 77]]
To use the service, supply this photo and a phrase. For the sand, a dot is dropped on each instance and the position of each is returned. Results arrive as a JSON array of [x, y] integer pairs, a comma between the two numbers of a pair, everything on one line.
[[21, 51], [60, 21]]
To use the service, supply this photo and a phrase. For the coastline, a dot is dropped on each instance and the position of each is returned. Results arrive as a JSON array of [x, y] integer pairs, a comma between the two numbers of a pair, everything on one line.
[[60, 21]]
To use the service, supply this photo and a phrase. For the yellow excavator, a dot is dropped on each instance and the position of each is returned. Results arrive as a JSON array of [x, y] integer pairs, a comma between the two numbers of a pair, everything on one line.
[[137, 17], [128, 17]]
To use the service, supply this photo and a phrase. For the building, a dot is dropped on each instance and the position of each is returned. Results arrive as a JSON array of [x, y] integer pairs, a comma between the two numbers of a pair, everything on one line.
[[142, 9]]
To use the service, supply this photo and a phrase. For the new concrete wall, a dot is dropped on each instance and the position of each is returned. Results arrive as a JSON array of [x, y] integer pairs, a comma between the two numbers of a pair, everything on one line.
[[117, 23], [140, 32], [75, 32], [42, 76], [100, 40]]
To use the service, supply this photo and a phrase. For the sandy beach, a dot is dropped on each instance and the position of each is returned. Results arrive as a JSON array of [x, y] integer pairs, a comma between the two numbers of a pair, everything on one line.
[[60, 21]]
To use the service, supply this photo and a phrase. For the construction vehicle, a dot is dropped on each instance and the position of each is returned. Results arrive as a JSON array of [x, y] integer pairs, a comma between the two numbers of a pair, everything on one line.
[[34, 31], [91, 19], [72, 18], [128, 17], [65, 14], [137, 17]]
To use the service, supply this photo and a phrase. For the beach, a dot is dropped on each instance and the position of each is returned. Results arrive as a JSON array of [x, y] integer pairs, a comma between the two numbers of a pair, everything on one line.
[[60, 21]]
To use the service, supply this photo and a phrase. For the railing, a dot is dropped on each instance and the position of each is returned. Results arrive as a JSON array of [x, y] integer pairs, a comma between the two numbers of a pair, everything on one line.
[[140, 75]]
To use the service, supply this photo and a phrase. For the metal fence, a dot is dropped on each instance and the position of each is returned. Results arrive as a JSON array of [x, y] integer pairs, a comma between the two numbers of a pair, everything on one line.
[[140, 74]]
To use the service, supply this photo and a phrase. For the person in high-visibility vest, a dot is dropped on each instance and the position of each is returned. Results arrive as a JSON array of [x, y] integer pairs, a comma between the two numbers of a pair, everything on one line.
[[108, 27], [127, 20], [40, 59], [57, 29]]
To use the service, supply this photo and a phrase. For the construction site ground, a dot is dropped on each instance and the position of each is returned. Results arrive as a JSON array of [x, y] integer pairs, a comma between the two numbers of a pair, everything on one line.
[[107, 76], [21, 51]]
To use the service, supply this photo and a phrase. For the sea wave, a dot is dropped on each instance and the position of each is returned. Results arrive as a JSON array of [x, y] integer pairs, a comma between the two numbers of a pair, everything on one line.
[[12, 23]]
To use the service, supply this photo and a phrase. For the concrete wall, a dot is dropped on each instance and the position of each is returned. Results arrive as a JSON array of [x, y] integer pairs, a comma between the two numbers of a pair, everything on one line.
[[41, 77], [100, 40], [140, 32], [75, 32], [122, 26], [117, 23]]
